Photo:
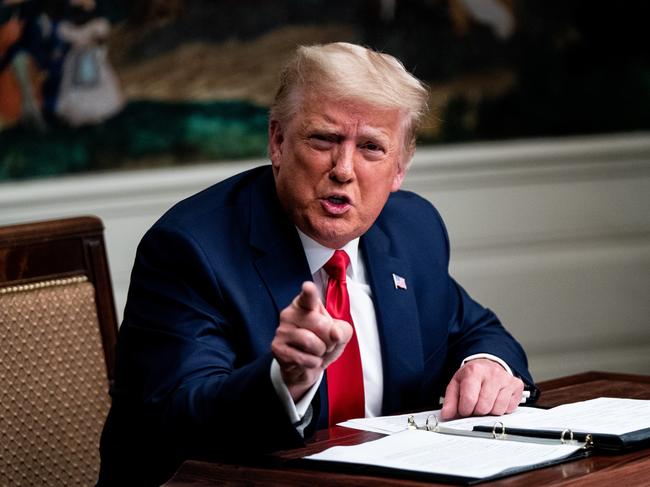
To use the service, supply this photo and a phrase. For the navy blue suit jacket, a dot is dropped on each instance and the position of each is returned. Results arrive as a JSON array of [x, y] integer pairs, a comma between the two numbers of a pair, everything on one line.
[[209, 281]]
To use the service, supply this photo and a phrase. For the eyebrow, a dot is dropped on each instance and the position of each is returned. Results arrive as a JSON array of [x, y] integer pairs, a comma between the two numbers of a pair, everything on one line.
[[365, 131], [374, 133], [320, 125]]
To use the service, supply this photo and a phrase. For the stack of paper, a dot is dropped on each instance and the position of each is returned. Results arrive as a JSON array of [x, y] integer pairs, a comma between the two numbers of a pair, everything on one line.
[[476, 449]]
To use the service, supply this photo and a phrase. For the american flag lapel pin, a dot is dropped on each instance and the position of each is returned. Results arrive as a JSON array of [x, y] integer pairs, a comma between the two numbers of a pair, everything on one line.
[[399, 281]]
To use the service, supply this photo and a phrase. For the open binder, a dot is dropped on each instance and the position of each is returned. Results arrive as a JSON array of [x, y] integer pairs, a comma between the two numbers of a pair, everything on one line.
[[452, 453], [608, 424]]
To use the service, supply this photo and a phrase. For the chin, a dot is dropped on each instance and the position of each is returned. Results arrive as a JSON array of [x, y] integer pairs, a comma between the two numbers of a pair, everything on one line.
[[332, 232], [335, 239]]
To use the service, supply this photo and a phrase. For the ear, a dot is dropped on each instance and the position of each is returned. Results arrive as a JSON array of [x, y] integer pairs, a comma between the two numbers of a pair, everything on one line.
[[402, 166], [398, 178], [276, 138]]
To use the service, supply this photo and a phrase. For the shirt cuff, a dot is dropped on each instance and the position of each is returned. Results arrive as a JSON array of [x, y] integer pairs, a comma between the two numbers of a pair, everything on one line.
[[489, 357], [295, 411]]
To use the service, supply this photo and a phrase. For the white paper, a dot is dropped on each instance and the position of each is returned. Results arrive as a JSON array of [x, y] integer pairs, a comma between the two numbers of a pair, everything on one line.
[[521, 413], [423, 451], [394, 424], [388, 424], [604, 415]]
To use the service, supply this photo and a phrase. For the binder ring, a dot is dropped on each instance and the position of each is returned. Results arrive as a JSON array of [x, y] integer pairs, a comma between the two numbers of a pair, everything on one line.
[[500, 435], [412, 425], [563, 439], [435, 426]]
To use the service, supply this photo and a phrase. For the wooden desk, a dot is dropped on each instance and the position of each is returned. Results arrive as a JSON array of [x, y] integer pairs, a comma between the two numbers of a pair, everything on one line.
[[632, 468]]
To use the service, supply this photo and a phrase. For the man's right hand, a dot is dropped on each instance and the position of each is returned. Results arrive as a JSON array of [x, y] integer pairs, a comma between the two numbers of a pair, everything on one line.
[[307, 340]]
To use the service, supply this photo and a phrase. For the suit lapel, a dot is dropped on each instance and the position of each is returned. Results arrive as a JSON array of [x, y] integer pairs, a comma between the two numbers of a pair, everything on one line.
[[397, 317], [281, 261]]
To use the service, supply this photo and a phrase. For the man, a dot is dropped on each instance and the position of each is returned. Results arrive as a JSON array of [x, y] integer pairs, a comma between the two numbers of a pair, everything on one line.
[[295, 295]]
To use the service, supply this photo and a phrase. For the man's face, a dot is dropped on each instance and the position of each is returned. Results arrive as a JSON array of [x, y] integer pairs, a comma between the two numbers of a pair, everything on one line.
[[335, 164]]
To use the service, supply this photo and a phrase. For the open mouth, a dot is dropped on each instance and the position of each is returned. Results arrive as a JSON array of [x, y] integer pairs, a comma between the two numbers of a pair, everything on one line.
[[338, 200], [336, 204]]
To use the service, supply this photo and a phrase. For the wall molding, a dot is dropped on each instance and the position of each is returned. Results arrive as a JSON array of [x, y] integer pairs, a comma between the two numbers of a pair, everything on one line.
[[472, 165], [532, 161]]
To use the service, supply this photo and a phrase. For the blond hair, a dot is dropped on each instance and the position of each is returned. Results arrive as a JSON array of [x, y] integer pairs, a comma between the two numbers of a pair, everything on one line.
[[353, 73]]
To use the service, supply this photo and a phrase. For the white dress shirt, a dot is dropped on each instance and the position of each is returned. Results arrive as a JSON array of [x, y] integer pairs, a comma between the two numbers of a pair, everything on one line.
[[365, 326]]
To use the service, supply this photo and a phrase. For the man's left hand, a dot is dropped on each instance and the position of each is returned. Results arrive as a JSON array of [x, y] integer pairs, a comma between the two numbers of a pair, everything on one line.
[[481, 387]]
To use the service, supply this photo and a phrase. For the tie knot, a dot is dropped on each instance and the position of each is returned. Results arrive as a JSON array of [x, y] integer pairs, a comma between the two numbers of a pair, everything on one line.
[[337, 265]]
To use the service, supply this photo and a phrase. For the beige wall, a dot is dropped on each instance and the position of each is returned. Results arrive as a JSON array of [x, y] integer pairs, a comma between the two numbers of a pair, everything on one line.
[[554, 235]]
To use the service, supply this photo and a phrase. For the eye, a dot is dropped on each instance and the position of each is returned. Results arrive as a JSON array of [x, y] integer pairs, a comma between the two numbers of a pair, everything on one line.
[[372, 149], [321, 141]]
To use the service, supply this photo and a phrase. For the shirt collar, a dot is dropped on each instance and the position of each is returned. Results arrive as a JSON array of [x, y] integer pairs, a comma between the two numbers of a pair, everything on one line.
[[317, 254]]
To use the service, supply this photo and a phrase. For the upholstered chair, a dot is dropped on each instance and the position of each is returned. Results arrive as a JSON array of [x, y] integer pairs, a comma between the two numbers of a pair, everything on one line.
[[57, 337]]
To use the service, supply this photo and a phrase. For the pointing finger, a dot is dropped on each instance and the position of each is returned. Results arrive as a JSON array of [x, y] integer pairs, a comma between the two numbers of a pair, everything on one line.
[[308, 298]]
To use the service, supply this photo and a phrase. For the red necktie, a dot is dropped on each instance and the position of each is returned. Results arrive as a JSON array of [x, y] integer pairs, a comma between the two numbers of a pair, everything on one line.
[[344, 375]]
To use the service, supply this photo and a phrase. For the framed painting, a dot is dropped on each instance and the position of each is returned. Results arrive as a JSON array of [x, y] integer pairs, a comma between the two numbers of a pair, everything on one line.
[[92, 85]]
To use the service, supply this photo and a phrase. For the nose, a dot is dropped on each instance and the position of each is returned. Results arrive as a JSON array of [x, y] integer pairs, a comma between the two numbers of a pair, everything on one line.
[[343, 163]]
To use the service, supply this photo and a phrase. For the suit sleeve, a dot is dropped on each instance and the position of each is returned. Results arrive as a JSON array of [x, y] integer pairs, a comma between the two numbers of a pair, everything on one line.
[[184, 366], [475, 329]]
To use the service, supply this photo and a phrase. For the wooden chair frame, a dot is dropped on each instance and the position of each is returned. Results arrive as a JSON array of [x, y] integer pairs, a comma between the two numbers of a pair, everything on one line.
[[59, 249]]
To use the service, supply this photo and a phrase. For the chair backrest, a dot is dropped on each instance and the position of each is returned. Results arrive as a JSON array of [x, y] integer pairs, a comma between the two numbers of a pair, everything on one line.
[[57, 339]]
